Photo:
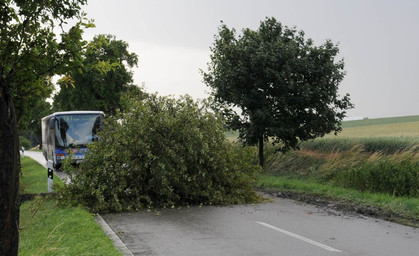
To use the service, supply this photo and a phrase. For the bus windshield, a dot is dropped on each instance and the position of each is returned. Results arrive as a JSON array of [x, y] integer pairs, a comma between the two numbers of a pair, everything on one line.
[[76, 130]]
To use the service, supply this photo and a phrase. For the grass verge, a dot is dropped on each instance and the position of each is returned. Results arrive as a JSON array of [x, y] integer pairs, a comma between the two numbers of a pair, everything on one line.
[[34, 177], [46, 228], [402, 210]]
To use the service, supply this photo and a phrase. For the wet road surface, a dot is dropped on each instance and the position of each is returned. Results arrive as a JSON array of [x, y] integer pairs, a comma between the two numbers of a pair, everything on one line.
[[282, 227]]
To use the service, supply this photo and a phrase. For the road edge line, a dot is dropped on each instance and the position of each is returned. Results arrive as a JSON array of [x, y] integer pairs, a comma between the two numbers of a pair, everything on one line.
[[307, 240]]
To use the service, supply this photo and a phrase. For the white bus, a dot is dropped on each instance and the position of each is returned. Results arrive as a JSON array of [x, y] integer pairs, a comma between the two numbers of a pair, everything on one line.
[[69, 130]]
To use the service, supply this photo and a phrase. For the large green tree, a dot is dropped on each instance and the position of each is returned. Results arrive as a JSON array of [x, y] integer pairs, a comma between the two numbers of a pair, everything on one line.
[[93, 88], [272, 83], [30, 51]]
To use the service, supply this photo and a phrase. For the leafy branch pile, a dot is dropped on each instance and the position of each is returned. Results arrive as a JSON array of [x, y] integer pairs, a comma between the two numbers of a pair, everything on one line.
[[161, 152]]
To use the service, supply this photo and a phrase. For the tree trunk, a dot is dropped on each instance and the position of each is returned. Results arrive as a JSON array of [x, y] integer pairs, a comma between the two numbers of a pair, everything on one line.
[[9, 175], [261, 157]]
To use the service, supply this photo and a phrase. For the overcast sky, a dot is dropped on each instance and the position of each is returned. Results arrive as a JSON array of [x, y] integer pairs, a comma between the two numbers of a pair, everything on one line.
[[379, 41]]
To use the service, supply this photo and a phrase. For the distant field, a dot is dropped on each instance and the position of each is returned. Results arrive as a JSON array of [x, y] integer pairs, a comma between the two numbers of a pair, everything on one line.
[[405, 126], [382, 127], [380, 121]]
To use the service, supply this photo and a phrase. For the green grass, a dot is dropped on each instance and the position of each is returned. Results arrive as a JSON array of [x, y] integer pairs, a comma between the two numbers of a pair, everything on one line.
[[383, 166], [386, 145], [48, 228], [401, 127], [380, 121], [34, 179], [405, 126], [408, 129], [401, 209]]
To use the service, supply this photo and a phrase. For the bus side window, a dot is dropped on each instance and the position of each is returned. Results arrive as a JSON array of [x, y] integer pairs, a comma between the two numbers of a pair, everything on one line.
[[51, 123]]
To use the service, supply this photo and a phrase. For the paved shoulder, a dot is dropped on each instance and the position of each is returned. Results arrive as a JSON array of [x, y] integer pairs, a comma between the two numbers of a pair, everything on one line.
[[37, 156]]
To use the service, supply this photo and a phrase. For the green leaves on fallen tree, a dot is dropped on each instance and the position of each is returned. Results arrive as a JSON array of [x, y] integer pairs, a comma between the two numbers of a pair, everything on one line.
[[161, 152]]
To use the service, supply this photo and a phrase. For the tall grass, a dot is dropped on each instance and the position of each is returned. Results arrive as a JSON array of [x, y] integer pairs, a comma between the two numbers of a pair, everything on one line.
[[384, 176], [385, 165], [385, 145]]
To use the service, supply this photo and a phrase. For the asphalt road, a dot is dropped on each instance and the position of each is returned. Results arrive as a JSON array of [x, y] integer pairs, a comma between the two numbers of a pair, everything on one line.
[[281, 227]]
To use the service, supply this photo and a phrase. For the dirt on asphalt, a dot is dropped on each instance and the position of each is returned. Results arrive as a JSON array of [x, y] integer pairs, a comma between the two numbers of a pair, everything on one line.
[[336, 207]]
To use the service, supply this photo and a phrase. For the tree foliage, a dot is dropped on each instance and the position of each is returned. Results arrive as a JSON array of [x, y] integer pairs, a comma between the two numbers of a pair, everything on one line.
[[29, 124], [95, 88], [162, 152], [30, 52], [30, 109], [284, 85], [32, 104]]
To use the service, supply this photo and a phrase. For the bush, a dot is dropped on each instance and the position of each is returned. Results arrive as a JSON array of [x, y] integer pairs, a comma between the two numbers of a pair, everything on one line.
[[161, 152]]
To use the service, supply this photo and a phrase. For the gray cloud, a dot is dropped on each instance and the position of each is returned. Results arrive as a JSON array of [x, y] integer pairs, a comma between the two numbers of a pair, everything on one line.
[[378, 40]]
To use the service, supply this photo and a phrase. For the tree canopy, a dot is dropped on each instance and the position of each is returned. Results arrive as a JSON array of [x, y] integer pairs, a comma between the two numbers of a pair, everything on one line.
[[93, 88], [285, 87], [30, 108], [30, 53]]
